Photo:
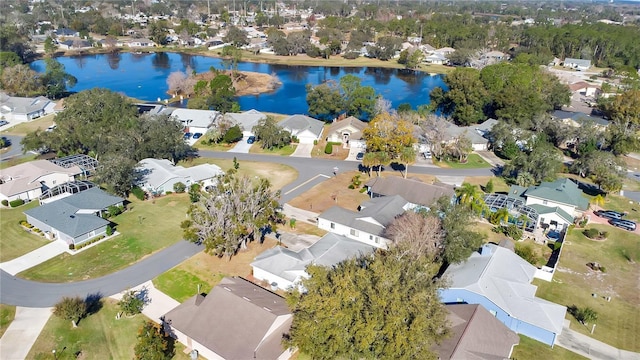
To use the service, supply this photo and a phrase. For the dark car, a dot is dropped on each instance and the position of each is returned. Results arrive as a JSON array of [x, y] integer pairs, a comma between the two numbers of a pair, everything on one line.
[[360, 156], [3, 122], [251, 140], [187, 136], [609, 214], [197, 135], [623, 224]]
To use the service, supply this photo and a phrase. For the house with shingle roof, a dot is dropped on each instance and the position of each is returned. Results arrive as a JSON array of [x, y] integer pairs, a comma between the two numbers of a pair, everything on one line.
[[475, 334], [285, 269], [157, 176], [420, 193], [500, 281], [348, 132], [74, 219], [478, 134], [236, 320], [246, 120], [577, 119], [305, 128], [577, 64], [24, 108], [27, 181], [194, 120], [367, 225]]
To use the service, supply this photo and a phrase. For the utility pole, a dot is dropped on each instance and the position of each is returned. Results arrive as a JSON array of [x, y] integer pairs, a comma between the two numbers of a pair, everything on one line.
[[208, 11]]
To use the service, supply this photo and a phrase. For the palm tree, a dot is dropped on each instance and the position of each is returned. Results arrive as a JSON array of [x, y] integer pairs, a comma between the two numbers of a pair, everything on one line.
[[467, 193], [407, 157]]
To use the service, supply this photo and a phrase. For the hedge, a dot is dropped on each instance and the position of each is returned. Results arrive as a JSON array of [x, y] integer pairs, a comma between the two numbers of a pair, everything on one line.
[[328, 149], [137, 192], [16, 203], [5, 202]]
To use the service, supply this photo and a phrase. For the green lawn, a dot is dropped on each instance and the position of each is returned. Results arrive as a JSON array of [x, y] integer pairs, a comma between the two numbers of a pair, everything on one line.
[[574, 283], [98, 336], [7, 313], [14, 241], [532, 349], [283, 151], [146, 227], [17, 161], [213, 147], [474, 161], [181, 284], [24, 128]]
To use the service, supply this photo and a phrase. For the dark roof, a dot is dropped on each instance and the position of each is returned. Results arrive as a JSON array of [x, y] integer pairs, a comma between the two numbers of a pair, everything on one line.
[[235, 320], [420, 193], [476, 334]]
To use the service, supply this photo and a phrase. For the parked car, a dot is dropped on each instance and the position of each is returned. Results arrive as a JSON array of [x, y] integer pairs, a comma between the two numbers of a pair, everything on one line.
[[609, 214], [427, 154], [197, 135], [187, 136], [360, 156], [3, 122], [623, 224], [251, 140]]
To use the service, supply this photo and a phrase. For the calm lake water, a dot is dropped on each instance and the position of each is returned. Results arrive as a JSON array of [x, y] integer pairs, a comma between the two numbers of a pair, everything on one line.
[[144, 76]]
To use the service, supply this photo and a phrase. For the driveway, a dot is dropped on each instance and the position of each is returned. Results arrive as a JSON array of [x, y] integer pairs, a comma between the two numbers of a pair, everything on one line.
[[303, 150], [241, 146], [595, 219]]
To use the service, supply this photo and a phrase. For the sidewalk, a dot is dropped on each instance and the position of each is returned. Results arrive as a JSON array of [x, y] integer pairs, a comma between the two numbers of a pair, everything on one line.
[[299, 214], [591, 348], [23, 332], [35, 257]]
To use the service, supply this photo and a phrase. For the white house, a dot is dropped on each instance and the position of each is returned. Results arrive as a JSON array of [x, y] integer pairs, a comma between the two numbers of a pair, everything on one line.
[[285, 269], [246, 120], [157, 176], [141, 43], [195, 121], [577, 64], [305, 128], [24, 108], [348, 132], [477, 134], [368, 224], [29, 180]]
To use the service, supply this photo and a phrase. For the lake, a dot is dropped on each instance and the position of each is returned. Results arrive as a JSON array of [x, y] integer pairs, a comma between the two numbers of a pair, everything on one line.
[[144, 76]]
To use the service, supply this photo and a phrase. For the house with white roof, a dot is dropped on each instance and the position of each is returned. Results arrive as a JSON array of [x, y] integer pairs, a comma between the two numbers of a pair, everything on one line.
[[477, 133], [195, 121], [305, 128], [367, 225], [285, 269], [577, 64], [348, 132], [29, 180], [246, 120], [24, 108], [500, 280], [157, 176]]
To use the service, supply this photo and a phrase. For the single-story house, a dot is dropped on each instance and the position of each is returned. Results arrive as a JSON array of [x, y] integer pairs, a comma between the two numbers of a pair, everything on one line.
[[500, 280], [195, 121], [478, 134], [235, 320], [66, 32], [76, 218], [577, 64], [436, 59], [348, 132], [586, 89], [141, 43], [75, 44], [24, 108], [475, 334], [157, 176], [368, 224], [420, 193], [445, 50], [305, 128], [29, 180], [285, 269], [557, 203], [495, 55], [576, 119], [246, 120]]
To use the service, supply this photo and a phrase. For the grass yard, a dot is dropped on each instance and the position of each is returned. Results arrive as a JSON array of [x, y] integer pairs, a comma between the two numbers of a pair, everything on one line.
[[499, 185], [485, 228], [17, 160], [474, 161], [334, 191], [283, 151], [146, 227], [278, 174], [24, 128], [15, 241], [213, 147], [574, 283], [98, 336], [532, 349], [7, 314], [207, 270]]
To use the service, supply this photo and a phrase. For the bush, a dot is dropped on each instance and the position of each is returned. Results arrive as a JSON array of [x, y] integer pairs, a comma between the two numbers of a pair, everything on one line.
[[557, 245], [591, 233], [132, 302], [72, 247], [526, 252], [328, 149], [114, 210], [109, 230], [137, 192], [489, 187], [234, 134], [315, 142], [513, 232], [5, 202], [351, 55], [16, 203], [179, 187], [168, 192]]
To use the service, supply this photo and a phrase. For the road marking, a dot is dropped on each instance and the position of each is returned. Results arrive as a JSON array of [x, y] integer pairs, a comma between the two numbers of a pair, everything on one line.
[[306, 182]]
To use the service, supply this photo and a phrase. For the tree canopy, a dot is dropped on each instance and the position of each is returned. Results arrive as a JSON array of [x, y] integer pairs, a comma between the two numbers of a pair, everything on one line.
[[153, 343], [349, 96]]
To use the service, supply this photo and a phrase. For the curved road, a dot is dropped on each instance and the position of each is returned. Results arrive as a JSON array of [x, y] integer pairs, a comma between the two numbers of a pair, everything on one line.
[[21, 292]]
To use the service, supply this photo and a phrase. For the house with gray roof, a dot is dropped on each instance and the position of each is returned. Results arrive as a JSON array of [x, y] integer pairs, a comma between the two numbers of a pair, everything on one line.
[[367, 225], [285, 269], [15, 108], [74, 219], [500, 281], [195, 121], [236, 320], [557, 203], [577, 119], [305, 128], [420, 193], [27, 181], [577, 64], [476, 335], [157, 176], [246, 120], [478, 134], [348, 132]]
